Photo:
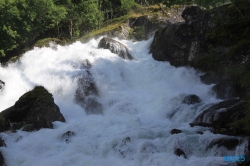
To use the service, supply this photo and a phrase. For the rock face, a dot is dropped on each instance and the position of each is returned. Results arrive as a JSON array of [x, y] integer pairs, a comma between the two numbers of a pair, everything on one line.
[[115, 47], [220, 114], [180, 43], [35, 107], [87, 93]]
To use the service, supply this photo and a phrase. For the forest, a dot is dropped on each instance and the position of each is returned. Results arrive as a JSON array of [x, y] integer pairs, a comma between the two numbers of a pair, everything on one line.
[[23, 22]]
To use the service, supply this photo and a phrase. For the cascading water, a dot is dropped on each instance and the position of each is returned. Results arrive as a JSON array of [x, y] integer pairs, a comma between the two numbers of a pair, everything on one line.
[[141, 101]]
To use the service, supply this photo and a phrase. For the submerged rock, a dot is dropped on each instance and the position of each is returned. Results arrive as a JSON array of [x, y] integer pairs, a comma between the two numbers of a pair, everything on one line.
[[115, 47], [179, 152], [2, 84], [87, 93], [35, 107], [175, 131], [66, 137], [191, 99]]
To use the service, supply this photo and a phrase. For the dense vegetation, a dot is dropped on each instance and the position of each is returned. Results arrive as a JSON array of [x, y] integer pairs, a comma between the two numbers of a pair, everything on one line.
[[23, 22]]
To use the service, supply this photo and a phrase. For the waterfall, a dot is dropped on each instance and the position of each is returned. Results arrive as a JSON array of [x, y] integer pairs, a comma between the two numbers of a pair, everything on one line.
[[141, 99]]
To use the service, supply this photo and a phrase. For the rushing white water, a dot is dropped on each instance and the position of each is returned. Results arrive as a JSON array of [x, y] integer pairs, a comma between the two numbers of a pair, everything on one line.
[[138, 97]]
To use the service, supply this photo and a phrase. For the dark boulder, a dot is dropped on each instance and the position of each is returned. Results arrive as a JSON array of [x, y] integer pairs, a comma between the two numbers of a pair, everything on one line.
[[115, 47], [228, 142], [179, 152], [35, 107], [87, 92], [181, 43], [197, 17], [2, 84], [191, 99], [220, 115], [2, 163], [175, 131]]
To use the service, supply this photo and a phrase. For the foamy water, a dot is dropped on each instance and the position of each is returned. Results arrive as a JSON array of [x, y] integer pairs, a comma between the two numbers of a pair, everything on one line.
[[138, 98]]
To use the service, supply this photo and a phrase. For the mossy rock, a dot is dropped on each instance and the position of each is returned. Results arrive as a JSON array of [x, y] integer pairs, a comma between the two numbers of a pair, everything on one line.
[[46, 42], [35, 107]]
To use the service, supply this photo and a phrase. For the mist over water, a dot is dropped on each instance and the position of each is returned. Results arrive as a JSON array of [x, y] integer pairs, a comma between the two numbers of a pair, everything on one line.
[[142, 101]]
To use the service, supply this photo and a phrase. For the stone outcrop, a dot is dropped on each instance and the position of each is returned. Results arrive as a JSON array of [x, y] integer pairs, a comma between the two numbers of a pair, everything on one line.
[[87, 92], [115, 47], [35, 107]]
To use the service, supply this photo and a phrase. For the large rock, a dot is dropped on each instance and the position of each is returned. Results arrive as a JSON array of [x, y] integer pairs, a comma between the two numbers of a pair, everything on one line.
[[180, 43], [87, 92], [35, 107], [115, 47], [220, 115]]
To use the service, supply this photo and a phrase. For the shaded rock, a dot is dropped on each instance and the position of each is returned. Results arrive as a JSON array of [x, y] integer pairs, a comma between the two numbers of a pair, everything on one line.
[[144, 27], [115, 47], [197, 17], [87, 93], [229, 142], [220, 114], [224, 90], [35, 107], [2, 163], [179, 152], [175, 131], [2, 84], [191, 99], [28, 127], [66, 137], [181, 43]]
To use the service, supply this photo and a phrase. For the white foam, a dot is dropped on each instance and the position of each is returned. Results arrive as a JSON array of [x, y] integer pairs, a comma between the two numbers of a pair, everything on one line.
[[137, 97]]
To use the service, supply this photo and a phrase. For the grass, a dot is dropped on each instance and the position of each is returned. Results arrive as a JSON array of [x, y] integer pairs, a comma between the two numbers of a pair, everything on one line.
[[116, 23]]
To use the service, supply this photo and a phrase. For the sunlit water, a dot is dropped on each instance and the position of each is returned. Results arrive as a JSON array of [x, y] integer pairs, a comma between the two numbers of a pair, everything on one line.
[[142, 100]]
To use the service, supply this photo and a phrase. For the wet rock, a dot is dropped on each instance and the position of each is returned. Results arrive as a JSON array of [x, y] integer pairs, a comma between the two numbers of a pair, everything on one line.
[[2, 163], [66, 137], [115, 47], [229, 142], [191, 99], [175, 131], [2, 84], [181, 43], [2, 143], [87, 93], [35, 107], [179, 152], [220, 114], [199, 132]]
